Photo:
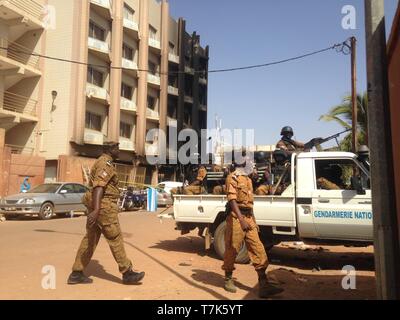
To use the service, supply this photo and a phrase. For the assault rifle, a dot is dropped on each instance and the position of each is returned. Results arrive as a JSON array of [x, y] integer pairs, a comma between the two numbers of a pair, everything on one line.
[[318, 141]]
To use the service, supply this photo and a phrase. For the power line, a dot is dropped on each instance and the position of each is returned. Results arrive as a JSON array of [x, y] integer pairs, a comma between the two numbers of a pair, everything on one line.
[[339, 47]]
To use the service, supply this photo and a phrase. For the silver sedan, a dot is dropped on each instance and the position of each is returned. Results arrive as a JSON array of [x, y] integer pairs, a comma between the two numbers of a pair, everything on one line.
[[46, 201]]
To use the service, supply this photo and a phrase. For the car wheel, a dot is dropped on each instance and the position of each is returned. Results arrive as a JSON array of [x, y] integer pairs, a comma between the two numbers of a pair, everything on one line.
[[219, 245], [46, 211]]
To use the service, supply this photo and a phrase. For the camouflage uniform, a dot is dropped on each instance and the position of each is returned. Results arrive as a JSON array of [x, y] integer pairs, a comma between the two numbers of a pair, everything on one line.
[[219, 190], [103, 174], [240, 188], [291, 147], [264, 190], [199, 188]]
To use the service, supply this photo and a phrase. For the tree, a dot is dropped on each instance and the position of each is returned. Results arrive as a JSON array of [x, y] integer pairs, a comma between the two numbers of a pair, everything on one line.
[[342, 114]]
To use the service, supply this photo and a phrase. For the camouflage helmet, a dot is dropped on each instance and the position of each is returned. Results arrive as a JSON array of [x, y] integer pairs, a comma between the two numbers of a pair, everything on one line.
[[286, 130]]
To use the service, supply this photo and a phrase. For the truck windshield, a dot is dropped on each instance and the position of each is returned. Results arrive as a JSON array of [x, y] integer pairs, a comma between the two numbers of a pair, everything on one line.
[[46, 188]]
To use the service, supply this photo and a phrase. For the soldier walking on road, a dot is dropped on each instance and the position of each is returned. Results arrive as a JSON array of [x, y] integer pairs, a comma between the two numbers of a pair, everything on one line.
[[102, 208], [241, 225]]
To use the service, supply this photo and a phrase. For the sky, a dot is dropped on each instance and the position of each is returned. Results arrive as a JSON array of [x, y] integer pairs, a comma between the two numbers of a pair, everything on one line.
[[242, 33]]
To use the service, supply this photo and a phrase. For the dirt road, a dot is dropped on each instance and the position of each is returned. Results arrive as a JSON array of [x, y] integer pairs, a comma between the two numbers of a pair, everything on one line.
[[177, 267]]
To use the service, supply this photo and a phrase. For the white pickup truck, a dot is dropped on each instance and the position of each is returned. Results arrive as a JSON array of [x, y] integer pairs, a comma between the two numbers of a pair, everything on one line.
[[304, 211]]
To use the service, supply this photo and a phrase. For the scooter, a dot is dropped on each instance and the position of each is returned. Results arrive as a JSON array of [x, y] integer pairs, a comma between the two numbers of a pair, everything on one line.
[[131, 200]]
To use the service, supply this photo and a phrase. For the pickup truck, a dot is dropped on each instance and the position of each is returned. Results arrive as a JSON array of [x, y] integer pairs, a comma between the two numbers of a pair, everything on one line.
[[303, 212]]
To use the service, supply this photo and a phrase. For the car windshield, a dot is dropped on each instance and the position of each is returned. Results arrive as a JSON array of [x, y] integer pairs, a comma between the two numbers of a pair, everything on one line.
[[46, 188]]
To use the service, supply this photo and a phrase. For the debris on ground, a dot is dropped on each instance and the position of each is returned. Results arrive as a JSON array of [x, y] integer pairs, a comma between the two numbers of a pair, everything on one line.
[[301, 279]]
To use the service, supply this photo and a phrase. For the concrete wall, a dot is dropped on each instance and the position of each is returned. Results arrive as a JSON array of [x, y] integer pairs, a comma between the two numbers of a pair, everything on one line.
[[155, 17], [173, 34]]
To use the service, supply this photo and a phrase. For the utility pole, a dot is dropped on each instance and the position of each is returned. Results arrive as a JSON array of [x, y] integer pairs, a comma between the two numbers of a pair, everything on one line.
[[354, 93], [386, 238]]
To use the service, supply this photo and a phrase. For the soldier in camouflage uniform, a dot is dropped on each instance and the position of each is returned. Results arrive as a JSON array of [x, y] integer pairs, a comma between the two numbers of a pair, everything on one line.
[[287, 144], [101, 203], [241, 225], [197, 186]]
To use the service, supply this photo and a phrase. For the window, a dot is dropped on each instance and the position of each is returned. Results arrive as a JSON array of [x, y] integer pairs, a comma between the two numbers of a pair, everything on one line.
[[172, 48], [152, 68], [69, 188], [93, 121], [95, 77], [128, 12], [151, 102], [152, 33], [125, 130], [127, 52], [80, 189], [337, 174], [126, 91], [96, 32]]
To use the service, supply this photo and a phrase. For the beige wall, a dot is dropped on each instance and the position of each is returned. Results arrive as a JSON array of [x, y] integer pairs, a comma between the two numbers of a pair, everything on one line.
[[173, 34], [155, 17]]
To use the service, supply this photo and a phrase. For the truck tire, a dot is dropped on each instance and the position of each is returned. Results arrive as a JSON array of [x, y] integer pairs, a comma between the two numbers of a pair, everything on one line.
[[219, 245], [46, 211]]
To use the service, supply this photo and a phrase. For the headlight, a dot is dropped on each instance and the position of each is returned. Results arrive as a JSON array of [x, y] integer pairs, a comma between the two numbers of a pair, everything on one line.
[[27, 201]]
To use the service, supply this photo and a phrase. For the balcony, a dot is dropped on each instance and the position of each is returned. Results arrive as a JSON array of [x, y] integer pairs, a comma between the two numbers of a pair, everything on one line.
[[131, 27], [203, 107], [128, 105], [20, 149], [189, 70], [152, 115], [130, 66], [155, 44], [173, 91], [16, 104], [203, 81], [126, 144], [103, 7], [100, 48], [173, 58], [93, 137], [151, 149], [153, 79], [18, 58], [97, 93], [188, 99], [26, 12]]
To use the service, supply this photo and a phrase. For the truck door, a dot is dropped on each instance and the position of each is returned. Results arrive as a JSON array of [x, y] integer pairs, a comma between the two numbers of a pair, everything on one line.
[[339, 212]]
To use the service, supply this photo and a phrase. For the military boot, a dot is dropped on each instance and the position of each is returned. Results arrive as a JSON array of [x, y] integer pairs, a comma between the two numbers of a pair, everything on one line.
[[131, 277], [266, 289], [229, 283], [78, 277]]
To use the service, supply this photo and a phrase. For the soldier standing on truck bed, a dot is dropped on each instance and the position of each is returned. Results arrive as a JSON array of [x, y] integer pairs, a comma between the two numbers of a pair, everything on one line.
[[101, 204], [241, 225], [198, 185]]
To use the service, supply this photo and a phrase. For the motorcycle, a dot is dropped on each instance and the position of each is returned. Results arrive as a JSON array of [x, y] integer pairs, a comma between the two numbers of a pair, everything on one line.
[[131, 200]]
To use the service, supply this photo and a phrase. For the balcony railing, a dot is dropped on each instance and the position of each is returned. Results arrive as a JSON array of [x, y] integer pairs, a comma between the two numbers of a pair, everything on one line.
[[19, 104], [154, 43], [128, 105], [19, 53], [126, 144], [130, 24], [172, 122], [153, 79], [129, 64], [30, 7], [152, 114], [188, 99], [103, 3], [173, 57], [98, 45], [151, 149], [189, 70], [172, 90], [20, 149], [93, 137], [93, 91], [203, 80]]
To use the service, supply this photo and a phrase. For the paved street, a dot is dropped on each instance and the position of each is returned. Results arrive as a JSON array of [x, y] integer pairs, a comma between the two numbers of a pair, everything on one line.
[[177, 267]]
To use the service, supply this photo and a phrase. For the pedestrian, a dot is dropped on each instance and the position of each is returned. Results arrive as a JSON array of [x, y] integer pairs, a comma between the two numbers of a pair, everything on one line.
[[101, 203], [241, 226]]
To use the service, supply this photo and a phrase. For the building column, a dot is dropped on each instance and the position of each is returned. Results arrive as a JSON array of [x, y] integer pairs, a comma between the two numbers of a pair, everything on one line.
[[196, 95], [142, 83], [164, 65], [80, 53], [114, 112], [181, 76]]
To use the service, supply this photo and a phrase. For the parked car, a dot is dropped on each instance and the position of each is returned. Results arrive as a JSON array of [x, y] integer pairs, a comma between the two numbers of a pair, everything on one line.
[[164, 198], [46, 201], [167, 186]]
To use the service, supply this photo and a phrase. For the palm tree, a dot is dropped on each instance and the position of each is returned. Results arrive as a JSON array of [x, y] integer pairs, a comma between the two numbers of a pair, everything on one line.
[[342, 114]]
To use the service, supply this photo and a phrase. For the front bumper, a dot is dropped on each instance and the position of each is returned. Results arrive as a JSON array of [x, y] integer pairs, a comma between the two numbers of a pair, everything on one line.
[[19, 209]]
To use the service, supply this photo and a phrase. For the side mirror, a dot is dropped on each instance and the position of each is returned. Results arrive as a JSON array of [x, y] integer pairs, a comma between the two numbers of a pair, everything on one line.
[[356, 185]]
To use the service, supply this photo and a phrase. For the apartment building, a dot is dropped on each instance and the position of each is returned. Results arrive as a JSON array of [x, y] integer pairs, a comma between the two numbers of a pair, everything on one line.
[[124, 82]]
